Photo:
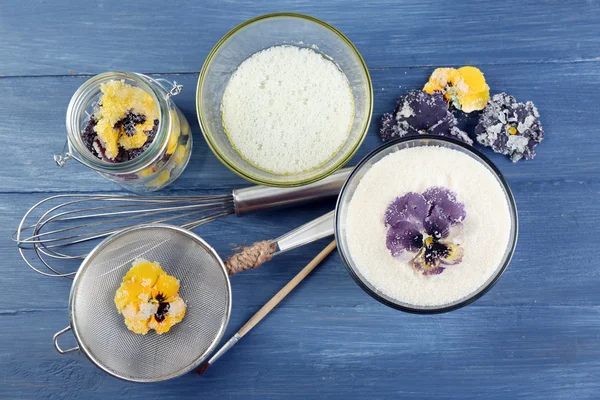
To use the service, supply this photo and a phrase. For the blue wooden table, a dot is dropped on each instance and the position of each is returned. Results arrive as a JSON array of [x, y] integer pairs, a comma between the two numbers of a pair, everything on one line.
[[535, 335]]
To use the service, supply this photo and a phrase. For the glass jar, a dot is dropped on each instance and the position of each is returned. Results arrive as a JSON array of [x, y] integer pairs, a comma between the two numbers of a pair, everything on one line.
[[157, 166]]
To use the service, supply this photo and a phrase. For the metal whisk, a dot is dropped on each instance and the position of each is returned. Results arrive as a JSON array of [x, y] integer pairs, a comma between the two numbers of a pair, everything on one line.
[[68, 226]]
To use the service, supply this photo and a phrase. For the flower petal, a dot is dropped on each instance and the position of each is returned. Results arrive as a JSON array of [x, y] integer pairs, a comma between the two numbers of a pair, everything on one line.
[[453, 255], [412, 207], [436, 224], [445, 204], [167, 286], [403, 236], [425, 264], [510, 127]]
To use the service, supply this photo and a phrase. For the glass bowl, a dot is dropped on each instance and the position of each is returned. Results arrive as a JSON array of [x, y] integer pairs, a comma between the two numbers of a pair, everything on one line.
[[261, 33], [351, 185]]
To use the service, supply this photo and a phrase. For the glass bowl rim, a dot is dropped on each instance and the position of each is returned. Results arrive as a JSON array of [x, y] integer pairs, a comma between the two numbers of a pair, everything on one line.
[[238, 171], [469, 298]]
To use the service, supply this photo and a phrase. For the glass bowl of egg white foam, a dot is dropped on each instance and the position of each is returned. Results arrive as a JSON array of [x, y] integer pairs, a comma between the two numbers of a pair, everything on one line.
[[284, 100], [426, 224]]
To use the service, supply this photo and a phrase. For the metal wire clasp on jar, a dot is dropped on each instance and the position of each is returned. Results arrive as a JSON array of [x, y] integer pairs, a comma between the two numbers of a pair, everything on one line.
[[161, 161]]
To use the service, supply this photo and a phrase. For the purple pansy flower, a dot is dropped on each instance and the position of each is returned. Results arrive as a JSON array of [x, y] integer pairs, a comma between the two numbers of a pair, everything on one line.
[[421, 223], [420, 112], [510, 127]]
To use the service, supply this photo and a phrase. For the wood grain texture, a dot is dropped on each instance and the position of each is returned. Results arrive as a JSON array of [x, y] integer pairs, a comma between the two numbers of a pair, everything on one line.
[[57, 38], [535, 335], [568, 153]]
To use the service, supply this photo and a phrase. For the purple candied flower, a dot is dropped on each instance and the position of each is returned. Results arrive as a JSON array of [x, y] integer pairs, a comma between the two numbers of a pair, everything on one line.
[[419, 112], [403, 236], [444, 203], [510, 127], [412, 208], [434, 254], [418, 223]]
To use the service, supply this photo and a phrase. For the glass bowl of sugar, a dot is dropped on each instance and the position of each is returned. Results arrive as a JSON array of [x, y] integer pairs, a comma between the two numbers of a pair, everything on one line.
[[426, 224], [284, 100]]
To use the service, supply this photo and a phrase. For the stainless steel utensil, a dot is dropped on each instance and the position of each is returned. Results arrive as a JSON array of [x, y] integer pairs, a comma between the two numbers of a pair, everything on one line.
[[335, 222], [99, 329], [67, 226]]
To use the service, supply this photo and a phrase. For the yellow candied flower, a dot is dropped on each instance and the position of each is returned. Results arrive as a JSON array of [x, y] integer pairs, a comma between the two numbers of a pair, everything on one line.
[[180, 154], [132, 142], [160, 179], [144, 272], [174, 134], [116, 100], [118, 97], [148, 299], [176, 312], [146, 172], [185, 128], [167, 287], [464, 87], [109, 137], [440, 79], [129, 293], [172, 145]]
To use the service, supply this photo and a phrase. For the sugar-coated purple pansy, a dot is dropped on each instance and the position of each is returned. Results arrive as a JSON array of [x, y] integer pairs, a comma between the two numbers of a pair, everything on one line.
[[419, 112], [412, 207], [421, 223], [510, 127], [444, 201], [434, 255]]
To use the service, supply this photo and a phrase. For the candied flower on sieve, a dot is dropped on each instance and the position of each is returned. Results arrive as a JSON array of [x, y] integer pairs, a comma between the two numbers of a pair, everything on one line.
[[418, 112], [510, 127], [148, 298], [420, 223], [465, 88]]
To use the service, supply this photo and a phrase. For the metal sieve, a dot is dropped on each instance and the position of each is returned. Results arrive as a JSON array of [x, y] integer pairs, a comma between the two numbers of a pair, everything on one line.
[[99, 328]]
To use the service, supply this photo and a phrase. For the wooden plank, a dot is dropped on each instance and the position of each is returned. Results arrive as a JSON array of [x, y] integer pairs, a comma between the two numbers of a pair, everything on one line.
[[534, 335], [551, 231], [549, 267], [337, 352], [61, 39], [38, 107]]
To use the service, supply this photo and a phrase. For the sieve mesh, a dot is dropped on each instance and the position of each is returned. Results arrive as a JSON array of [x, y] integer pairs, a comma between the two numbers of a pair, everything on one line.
[[100, 329]]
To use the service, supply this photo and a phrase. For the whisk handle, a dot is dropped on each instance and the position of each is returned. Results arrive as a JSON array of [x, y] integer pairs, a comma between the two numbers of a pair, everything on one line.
[[257, 198]]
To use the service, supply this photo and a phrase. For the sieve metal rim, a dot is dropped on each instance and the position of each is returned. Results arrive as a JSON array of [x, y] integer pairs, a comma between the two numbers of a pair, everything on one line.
[[344, 196], [75, 287]]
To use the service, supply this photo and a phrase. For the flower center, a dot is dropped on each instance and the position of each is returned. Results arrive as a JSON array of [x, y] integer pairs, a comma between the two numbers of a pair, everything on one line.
[[511, 129]]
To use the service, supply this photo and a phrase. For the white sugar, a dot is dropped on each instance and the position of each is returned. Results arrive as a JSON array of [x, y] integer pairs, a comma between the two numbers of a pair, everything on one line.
[[287, 109], [483, 235]]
